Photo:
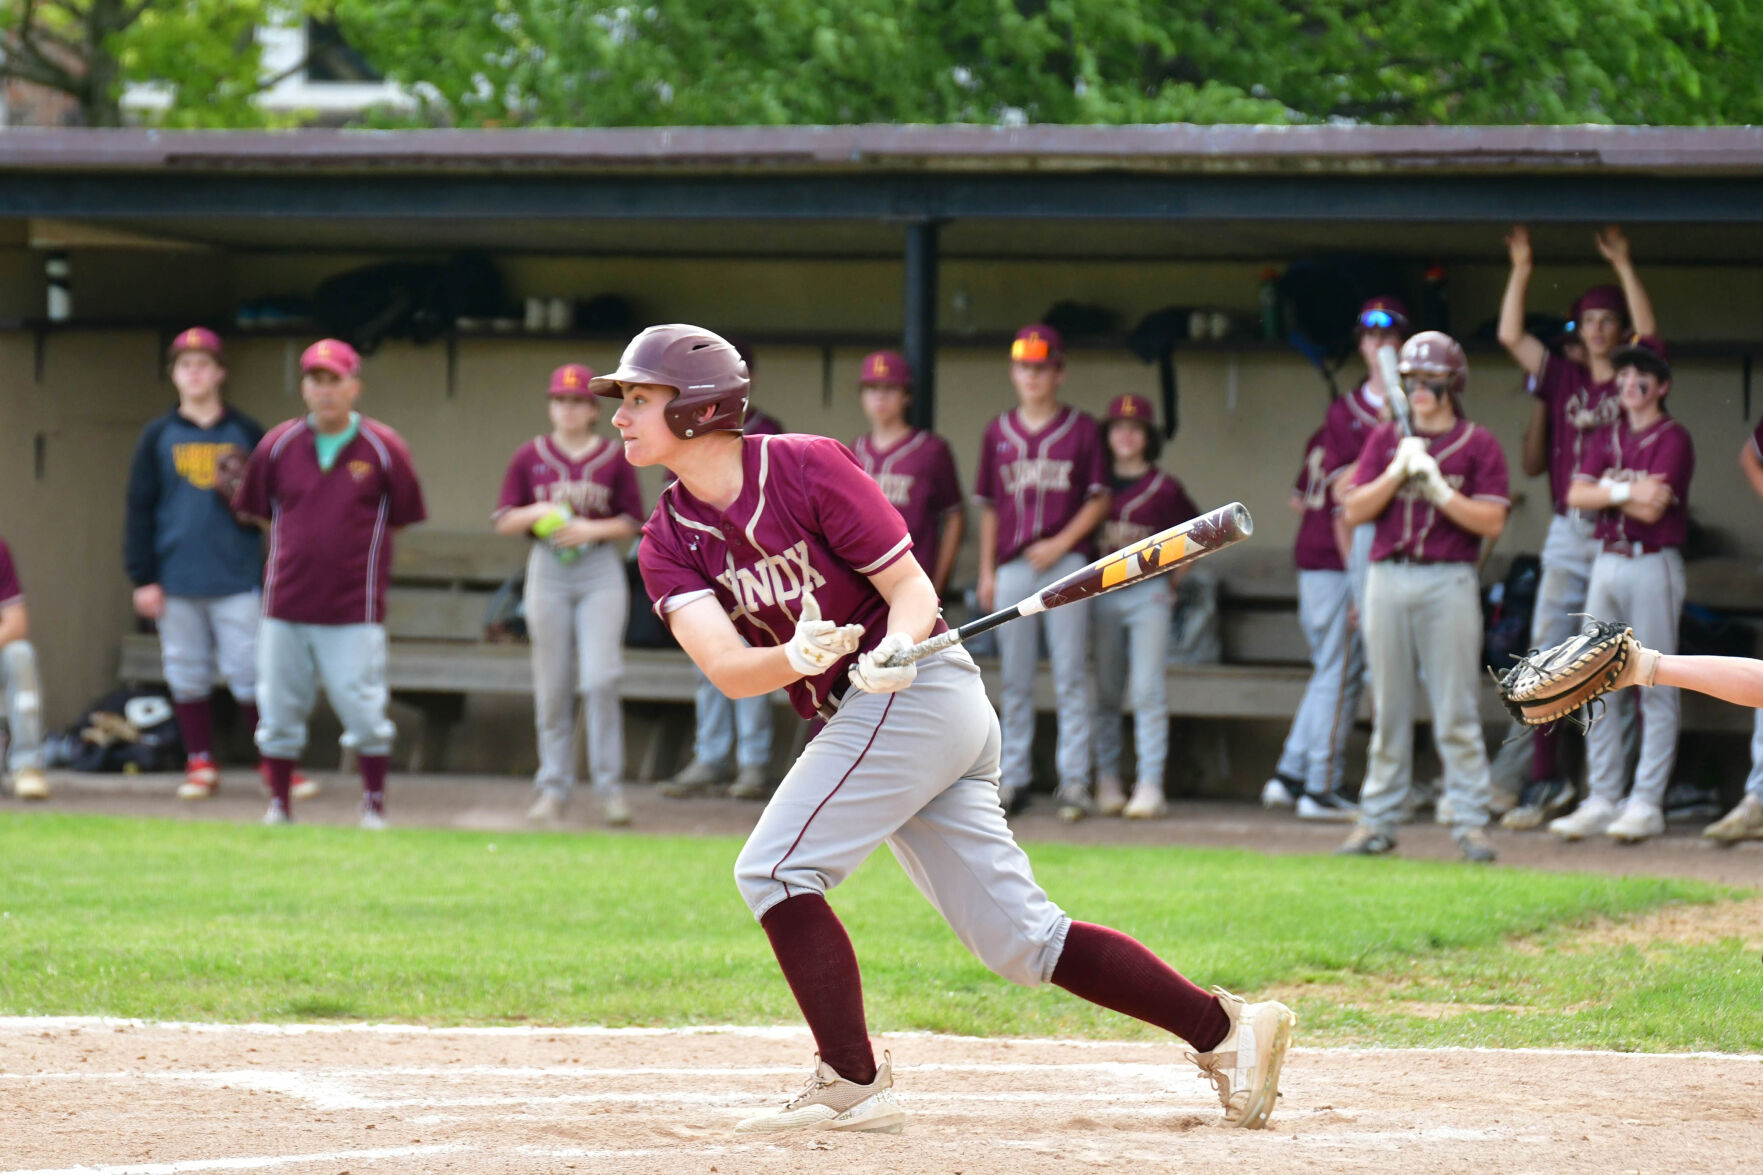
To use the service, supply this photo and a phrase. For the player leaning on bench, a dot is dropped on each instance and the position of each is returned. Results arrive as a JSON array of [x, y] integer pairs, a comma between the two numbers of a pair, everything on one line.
[[741, 556]]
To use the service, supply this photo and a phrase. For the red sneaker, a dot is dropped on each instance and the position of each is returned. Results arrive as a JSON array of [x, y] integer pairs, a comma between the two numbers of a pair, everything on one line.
[[201, 778], [302, 788]]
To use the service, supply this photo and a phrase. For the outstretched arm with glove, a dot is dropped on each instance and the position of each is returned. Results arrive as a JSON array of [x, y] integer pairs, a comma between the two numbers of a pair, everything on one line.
[[1555, 683]]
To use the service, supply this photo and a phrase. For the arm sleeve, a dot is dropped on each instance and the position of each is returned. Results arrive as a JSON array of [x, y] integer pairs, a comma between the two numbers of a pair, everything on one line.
[[856, 518], [140, 538], [627, 495], [255, 497], [517, 488], [985, 479], [1757, 440], [1676, 462], [1490, 482], [406, 506], [1097, 461], [665, 574], [1375, 457], [10, 590]]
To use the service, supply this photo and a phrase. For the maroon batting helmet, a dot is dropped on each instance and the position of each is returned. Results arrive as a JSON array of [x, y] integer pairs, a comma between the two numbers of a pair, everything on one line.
[[1433, 352], [702, 366]]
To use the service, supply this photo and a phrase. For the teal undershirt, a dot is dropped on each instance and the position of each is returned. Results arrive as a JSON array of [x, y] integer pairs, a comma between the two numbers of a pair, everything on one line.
[[330, 444]]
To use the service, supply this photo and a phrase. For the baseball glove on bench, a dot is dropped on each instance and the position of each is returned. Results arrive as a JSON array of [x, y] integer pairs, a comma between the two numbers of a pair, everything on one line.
[[1552, 684]]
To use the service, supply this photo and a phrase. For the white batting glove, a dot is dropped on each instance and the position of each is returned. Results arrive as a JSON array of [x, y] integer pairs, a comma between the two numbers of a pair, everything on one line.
[[817, 644], [1433, 486], [1408, 450], [872, 677]]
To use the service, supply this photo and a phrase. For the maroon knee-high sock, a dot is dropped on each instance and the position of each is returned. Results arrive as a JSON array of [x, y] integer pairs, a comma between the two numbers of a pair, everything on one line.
[[815, 954], [1117, 971], [1545, 753], [196, 725], [279, 775], [373, 781]]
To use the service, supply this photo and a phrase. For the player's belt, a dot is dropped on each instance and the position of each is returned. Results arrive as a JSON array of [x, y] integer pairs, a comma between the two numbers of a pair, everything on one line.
[[1633, 550], [835, 694], [1414, 560]]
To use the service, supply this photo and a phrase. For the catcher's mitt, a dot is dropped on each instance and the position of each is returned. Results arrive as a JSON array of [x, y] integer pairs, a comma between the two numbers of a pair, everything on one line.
[[1551, 684]]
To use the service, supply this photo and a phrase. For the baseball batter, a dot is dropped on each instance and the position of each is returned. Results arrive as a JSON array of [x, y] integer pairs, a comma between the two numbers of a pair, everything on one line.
[[1434, 496], [334, 486], [1581, 401], [575, 493], [1636, 479], [1319, 728], [1043, 488], [196, 568], [24, 689], [1132, 625], [914, 468], [779, 565], [1745, 821]]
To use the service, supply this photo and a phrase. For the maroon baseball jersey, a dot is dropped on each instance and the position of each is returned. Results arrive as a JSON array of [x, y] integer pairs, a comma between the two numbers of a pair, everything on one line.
[[330, 534], [1144, 506], [757, 424], [1348, 421], [1757, 440], [807, 516], [1315, 548], [1663, 450], [1038, 480], [1578, 408], [599, 484], [10, 591], [917, 475], [1472, 464]]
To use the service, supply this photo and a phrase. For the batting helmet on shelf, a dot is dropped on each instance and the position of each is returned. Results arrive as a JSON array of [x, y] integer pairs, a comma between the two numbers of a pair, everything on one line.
[[1433, 352], [701, 365]]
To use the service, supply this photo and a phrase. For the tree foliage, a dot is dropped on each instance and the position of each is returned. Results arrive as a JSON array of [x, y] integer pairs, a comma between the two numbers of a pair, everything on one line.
[[710, 62]]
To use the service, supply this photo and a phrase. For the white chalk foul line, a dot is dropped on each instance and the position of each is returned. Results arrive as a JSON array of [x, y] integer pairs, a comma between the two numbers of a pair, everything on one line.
[[242, 1163]]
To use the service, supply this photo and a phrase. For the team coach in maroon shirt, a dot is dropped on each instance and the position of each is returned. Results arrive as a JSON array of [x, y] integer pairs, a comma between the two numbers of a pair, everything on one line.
[[333, 486]]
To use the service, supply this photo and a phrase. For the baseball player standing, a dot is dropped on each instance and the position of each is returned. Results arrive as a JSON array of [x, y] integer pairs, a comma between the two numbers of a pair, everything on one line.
[[334, 486], [1042, 484], [1326, 714], [915, 468], [1132, 625], [1745, 821], [759, 537], [196, 568], [24, 689], [1635, 477], [1581, 401], [1435, 496], [576, 492]]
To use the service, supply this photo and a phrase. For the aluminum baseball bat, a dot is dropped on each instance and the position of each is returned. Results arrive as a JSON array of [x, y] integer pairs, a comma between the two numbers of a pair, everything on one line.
[[1146, 559], [1392, 382]]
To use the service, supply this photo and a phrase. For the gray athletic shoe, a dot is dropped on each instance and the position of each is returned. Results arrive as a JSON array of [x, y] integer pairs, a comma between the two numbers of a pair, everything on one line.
[[547, 809], [829, 1102], [1366, 841], [1475, 846], [698, 779], [1245, 1065], [1744, 822], [615, 809], [750, 784]]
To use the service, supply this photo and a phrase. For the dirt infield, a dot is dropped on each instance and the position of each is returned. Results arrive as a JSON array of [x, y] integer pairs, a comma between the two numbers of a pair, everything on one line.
[[116, 1097]]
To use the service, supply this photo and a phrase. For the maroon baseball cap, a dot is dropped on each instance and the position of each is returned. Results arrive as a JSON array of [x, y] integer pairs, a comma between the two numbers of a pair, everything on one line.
[[1646, 352], [1130, 407], [571, 380], [1383, 313], [1038, 343], [1601, 298], [196, 338], [332, 355], [885, 367]]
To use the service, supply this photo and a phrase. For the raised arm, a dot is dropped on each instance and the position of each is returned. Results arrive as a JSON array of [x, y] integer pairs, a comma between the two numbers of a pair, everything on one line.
[[1523, 346], [1614, 247]]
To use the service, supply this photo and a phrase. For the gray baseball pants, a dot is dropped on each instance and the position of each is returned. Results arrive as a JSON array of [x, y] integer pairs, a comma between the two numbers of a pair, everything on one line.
[[1754, 785], [1644, 592], [575, 619], [24, 706], [348, 659], [197, 634], [1424, 619], [917, 769], [1068, 631], [1316, 749], [1132, 650]]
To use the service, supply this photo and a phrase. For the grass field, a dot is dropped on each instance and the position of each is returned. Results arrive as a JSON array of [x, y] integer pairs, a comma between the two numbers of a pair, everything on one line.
[[182, 921]]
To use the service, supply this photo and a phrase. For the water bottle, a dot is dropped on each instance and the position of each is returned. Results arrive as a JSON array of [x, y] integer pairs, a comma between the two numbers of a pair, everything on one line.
[[1272, 324], [553, 522]]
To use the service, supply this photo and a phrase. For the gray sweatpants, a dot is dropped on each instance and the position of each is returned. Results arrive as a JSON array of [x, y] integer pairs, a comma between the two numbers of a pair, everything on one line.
[[1424, 619], [24, 705], [917, 769], [1068, 631], [1132, 646], [199, 633], [575, 619], [1316, 749], [350, 661], [1644, 592], [1754, 785]]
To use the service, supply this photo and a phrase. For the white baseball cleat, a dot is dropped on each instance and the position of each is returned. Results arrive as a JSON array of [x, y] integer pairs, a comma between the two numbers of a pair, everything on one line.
[[1245, 1065], [1147, 801], [547, 808], [29, 783], [1639, 821], [302, 788], [829, 1102], [372, 820], [1745, 822], [1593, 816], [277, 814], [1277, 793], [1110, 796], [616, 810]]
